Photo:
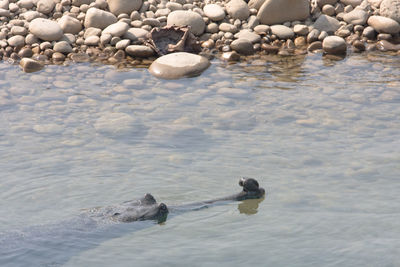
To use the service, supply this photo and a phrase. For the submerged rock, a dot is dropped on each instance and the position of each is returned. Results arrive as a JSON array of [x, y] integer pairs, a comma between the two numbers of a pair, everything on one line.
[[179, 65], [30, 65]]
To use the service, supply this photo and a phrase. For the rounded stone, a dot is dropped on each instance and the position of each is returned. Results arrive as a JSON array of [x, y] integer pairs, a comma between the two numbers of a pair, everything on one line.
[[30, 65], [356, 17], [238, 9], [98, 18], [62, 47], [16, 41], [123, 6], [187, 18], [214, 12], [279, 11], [25, 52], [384, 24], [246, 34], [69, 24], [282, 31], [139, 51], [92, 40], [334, 45], [45, 6], [326, 23], [116, 29], [134, 34], [19, 30], [300, 29], [242, 46], [179, 65], [45, 29]]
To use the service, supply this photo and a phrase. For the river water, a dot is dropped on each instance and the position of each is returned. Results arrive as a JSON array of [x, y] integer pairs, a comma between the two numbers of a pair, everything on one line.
[[321, 136]]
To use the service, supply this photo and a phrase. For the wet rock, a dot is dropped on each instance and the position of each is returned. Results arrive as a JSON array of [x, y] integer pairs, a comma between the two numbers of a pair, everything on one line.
[[30, 65], [57, 56], [369, 33], [214, 12], [139, 51], [179, 65], [45, 29], [282, 31], [270, 49], [238, 9], [187, 18], [390, 9], [62, 47], [230, 56], [242, 46], [280, 11], [334, 45], [300, 41], [116, 29], [383, 24], [385, 45], [358, 46], [327, 24], [123, 6], [25, 52], [70, 25], [98, 18], [317, 45], [16, 41], [356, 17]]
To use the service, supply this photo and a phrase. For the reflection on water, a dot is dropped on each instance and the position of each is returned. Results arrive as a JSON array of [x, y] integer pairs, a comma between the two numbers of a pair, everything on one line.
[[250, 206], [327, 149]]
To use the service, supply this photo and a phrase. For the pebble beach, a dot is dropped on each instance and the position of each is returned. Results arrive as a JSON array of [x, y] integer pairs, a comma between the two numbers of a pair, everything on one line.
[[36, 33]]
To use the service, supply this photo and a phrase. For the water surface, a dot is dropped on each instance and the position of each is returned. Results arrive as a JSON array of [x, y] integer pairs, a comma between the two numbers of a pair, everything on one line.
[[322, 136]]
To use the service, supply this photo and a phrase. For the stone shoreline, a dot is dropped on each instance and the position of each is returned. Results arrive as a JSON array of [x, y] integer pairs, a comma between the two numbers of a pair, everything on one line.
[[39, 32]]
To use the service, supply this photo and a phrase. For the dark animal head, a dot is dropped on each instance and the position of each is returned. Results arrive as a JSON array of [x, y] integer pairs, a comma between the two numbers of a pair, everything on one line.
[[251, 189]]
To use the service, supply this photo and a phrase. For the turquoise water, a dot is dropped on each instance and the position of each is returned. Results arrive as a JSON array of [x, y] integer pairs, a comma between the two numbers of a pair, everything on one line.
[[322, 136]]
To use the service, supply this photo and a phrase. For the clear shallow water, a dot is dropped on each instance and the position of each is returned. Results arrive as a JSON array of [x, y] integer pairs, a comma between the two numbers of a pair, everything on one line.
[[323, 137]]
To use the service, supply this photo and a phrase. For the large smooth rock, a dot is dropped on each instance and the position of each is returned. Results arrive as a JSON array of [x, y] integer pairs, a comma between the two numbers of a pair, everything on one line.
[[46, 29], [45, 6], [139, 51], [187, 18], [30, 65], [390, 9], [135, 34], [214, 12], [282, 31], [117, 29], [280, 11], [256, 4], [356, 17], [69, 24], [334, 45], [384, 24], [98, 18], [123, 6], [78, 3], [238, 9], [327, 24], [179, 65]]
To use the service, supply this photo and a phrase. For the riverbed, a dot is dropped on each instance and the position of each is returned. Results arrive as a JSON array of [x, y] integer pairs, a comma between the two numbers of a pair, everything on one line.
[[322, 137]]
